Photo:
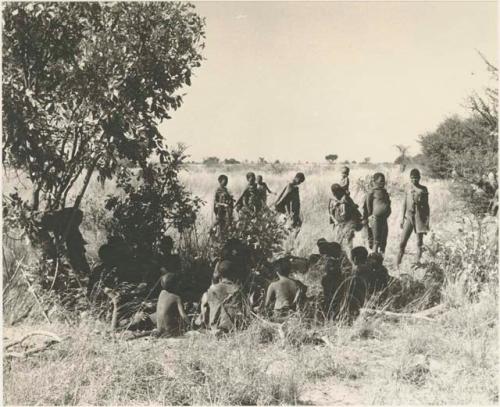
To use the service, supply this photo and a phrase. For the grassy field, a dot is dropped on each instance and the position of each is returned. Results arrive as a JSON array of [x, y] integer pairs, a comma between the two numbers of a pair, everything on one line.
[[449, 359]]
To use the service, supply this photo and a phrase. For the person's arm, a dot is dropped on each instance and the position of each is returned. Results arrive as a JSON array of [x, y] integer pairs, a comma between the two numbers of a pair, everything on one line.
[[215, 203], [404, 211], [369, 204], [267, 189], [389, 210], [241, 200], [426, 204], [284, 194], [270, 296], [204, 309], [365, 210], [330, 212], [182, 313]]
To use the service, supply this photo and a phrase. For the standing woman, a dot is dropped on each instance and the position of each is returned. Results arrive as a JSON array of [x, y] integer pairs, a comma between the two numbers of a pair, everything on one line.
[[416, 213], [344, 216]]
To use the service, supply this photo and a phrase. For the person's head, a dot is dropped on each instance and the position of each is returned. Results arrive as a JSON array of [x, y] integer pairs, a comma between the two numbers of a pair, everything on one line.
[[169, 282], [492, 177], [226, 269], [282, 266], [375, 259], [359, 255], [122, 251], [166, 245], [332, 249], [337, 191], [106, 255], [222, 180], [299, 178], [322, 244], [414, 176], [232, 247], [379, 180], [259, 179], [251, 178], [345, 171]]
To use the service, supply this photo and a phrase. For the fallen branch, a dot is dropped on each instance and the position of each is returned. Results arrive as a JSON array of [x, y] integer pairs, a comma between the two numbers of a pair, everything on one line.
[[327, 342], [54, 337], [30, 352], [422, 315]]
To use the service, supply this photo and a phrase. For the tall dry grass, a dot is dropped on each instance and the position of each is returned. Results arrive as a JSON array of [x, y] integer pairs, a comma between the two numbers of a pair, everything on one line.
[[450, 360]]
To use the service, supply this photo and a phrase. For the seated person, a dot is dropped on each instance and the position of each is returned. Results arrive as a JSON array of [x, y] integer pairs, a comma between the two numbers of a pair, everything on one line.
[[379, 278], [354, 287], [286, 293], [169, 262], [104, 272], [224, 302], [169, 310], [332, 275]]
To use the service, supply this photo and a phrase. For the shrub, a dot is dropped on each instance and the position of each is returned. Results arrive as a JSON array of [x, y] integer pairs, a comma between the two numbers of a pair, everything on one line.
[[153, 204]]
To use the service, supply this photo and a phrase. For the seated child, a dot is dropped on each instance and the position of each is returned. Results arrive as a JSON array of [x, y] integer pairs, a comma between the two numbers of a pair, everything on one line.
[[169, 309], [286, 293]]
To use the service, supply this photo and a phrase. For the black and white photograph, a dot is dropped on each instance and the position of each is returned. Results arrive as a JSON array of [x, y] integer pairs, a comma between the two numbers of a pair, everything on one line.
[[250, 203]]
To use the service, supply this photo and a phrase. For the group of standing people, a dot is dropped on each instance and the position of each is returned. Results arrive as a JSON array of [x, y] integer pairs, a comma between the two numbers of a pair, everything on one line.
[[253, 199], [344, 214], [376, 210]]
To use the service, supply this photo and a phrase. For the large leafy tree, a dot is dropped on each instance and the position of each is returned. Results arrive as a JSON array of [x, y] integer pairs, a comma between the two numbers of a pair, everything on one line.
[[85, 85], [469, 146]]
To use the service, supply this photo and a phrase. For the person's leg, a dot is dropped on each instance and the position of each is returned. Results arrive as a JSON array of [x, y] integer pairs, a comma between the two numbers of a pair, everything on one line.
[[385, 234], [405, 236], [369, 235], [378, 231], [420, 245]]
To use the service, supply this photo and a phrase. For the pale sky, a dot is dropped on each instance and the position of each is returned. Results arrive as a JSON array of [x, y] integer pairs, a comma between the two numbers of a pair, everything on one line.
[[298, 80]]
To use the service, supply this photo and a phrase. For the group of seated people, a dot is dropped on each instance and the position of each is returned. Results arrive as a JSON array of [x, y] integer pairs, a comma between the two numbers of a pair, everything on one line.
[[235, 292]]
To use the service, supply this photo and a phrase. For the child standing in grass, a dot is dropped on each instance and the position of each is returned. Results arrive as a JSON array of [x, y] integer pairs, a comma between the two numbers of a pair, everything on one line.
[[250, 198], [376, 211], [416, 213], [263, 189]]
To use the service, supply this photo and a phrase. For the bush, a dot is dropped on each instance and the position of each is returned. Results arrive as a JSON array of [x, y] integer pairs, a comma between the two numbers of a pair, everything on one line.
[[262, 233], [153, 204]]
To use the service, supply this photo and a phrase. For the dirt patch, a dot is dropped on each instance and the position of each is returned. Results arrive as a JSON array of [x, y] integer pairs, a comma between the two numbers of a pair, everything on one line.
[[331, 392]]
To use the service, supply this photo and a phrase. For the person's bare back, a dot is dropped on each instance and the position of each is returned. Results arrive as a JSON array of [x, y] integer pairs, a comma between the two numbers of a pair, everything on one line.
[[169, 314], [285, 293]]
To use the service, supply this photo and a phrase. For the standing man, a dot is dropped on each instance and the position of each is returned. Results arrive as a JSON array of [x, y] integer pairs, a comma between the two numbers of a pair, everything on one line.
[[416, 213], [288, 201]]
